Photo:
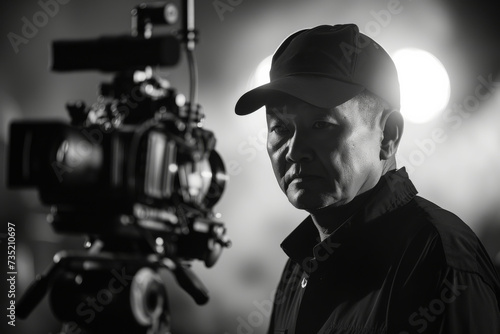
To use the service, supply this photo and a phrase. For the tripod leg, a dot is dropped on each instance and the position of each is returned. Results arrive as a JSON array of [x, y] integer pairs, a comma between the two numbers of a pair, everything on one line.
[[39, 287]]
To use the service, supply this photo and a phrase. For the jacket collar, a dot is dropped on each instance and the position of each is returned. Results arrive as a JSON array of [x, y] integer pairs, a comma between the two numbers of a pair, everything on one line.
[[393, 190]]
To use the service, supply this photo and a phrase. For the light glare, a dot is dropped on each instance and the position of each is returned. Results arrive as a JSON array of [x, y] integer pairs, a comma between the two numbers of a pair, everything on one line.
[[261, 73], [424, 82]]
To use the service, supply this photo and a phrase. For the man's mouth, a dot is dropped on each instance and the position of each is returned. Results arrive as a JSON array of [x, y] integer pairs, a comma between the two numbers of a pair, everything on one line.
[[300, 177]]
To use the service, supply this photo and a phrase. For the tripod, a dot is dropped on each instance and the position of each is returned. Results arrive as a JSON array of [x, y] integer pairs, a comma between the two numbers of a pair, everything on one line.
[[110, 292]]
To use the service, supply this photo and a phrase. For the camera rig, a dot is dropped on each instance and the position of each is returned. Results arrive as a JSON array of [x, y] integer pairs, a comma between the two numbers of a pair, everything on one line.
[[135, 172]]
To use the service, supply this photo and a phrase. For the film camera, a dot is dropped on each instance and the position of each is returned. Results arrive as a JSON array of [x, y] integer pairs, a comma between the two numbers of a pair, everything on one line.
[[135, 172]]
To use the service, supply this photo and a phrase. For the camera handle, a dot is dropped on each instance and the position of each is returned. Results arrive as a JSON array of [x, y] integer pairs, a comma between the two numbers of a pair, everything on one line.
[[146, 15]]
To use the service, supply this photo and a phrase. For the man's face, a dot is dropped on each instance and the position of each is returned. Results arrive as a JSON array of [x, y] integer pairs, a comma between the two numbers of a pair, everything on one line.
[[322, 157]]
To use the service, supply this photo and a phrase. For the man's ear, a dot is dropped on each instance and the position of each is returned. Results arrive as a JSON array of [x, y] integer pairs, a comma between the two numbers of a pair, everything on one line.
[[392, 124]]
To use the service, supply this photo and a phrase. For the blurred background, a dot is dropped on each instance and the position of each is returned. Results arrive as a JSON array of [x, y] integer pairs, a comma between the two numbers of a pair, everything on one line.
[[450, 147]]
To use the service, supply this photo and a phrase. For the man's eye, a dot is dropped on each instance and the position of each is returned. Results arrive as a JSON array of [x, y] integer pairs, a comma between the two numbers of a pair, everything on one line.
[[279, 129], [322, 125]]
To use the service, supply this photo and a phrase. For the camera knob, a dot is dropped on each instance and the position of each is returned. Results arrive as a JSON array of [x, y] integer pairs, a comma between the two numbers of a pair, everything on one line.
[[77, 111]]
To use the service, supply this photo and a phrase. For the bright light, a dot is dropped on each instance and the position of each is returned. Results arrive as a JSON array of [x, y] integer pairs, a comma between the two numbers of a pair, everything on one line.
[[259, 77], [425, 85], [261, 74]]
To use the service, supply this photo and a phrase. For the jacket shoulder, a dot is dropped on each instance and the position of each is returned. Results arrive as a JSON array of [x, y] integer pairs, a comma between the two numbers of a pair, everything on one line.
[[462, 249]]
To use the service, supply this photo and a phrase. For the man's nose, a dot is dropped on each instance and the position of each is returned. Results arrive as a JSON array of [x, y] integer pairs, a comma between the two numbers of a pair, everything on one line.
[[299, 149]]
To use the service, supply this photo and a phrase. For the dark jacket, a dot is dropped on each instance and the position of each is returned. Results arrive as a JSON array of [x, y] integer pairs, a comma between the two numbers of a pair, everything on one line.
[[399, 265]]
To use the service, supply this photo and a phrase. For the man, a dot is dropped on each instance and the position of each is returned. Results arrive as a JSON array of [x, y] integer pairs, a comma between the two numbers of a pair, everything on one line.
[[372, 257]]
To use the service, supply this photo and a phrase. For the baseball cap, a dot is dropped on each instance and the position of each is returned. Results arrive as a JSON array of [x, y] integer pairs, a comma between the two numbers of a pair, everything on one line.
[[326, 66]]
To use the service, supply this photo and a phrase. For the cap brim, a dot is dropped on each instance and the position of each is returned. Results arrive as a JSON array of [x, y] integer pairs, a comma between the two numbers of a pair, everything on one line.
[[323, 92]]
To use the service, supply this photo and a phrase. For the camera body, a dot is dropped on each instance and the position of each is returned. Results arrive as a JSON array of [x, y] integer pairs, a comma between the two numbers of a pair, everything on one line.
[[138, 158]]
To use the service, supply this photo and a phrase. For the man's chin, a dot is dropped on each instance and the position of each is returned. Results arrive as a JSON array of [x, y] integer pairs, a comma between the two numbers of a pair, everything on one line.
[[307, 202]]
